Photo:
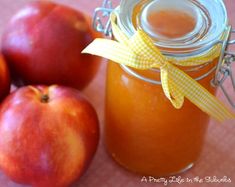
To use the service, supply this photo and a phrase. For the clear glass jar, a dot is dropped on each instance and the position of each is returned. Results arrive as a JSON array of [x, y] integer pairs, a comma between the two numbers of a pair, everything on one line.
[[143, 131]]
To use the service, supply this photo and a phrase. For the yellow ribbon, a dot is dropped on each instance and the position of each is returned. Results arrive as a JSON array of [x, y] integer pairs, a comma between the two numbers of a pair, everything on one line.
[[140, 52]]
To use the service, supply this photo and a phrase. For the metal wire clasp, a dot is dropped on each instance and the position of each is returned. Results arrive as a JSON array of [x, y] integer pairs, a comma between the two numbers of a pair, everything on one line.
[[101, 21], [224, 68]]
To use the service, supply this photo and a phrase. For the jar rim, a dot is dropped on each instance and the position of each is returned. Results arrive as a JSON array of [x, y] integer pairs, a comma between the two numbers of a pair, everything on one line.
[[215, 9]]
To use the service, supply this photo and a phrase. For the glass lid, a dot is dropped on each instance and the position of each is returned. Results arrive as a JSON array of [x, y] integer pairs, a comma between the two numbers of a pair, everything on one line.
[[178, 27]]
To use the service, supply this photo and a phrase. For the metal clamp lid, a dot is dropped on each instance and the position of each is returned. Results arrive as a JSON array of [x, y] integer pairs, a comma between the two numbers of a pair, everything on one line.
[[224, 70], [101, 22]]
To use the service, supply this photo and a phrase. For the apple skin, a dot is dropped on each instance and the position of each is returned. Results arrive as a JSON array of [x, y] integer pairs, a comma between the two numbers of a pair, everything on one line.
[[43, 42], [4, 79], [49, 135]]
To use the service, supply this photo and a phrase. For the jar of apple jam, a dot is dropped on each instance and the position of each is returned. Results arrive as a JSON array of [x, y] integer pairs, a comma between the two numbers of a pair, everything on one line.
[[143, 131]]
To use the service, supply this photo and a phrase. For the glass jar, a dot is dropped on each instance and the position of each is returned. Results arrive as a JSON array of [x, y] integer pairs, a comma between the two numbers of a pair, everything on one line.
[[143, 131]]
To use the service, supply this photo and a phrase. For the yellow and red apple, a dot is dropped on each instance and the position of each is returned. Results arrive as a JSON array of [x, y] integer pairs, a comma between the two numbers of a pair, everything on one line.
[[43, 42], [48, 135]]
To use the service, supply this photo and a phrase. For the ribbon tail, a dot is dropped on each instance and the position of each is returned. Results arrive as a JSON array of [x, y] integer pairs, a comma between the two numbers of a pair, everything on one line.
[[198, 95], [170, 90], [116, 52]]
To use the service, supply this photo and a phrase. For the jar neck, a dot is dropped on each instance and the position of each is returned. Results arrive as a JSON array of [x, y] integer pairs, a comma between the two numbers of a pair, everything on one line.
[[208, 22]]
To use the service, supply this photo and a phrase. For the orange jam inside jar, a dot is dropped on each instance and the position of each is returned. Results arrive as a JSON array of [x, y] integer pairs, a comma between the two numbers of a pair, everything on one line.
[[143, 131]]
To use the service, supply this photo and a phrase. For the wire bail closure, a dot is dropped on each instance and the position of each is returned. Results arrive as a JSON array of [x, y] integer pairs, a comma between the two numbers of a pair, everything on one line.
[[101, 21], [224, 70]]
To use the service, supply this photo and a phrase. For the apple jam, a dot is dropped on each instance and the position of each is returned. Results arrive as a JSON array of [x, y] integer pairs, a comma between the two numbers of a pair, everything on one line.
[[143, 131]]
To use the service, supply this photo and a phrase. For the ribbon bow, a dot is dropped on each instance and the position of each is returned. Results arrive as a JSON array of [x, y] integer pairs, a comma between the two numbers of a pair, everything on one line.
[[140, 52]]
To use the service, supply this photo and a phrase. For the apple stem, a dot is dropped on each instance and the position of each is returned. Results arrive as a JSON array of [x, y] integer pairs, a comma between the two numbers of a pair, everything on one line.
[[44, 98]]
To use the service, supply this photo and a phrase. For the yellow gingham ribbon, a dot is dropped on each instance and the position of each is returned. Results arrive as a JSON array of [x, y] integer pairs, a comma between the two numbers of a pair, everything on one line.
[[140, 52]]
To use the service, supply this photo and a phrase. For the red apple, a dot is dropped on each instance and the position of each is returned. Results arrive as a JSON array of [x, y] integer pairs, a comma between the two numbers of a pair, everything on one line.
[[4, 79], [48, 135], [43, 42]]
